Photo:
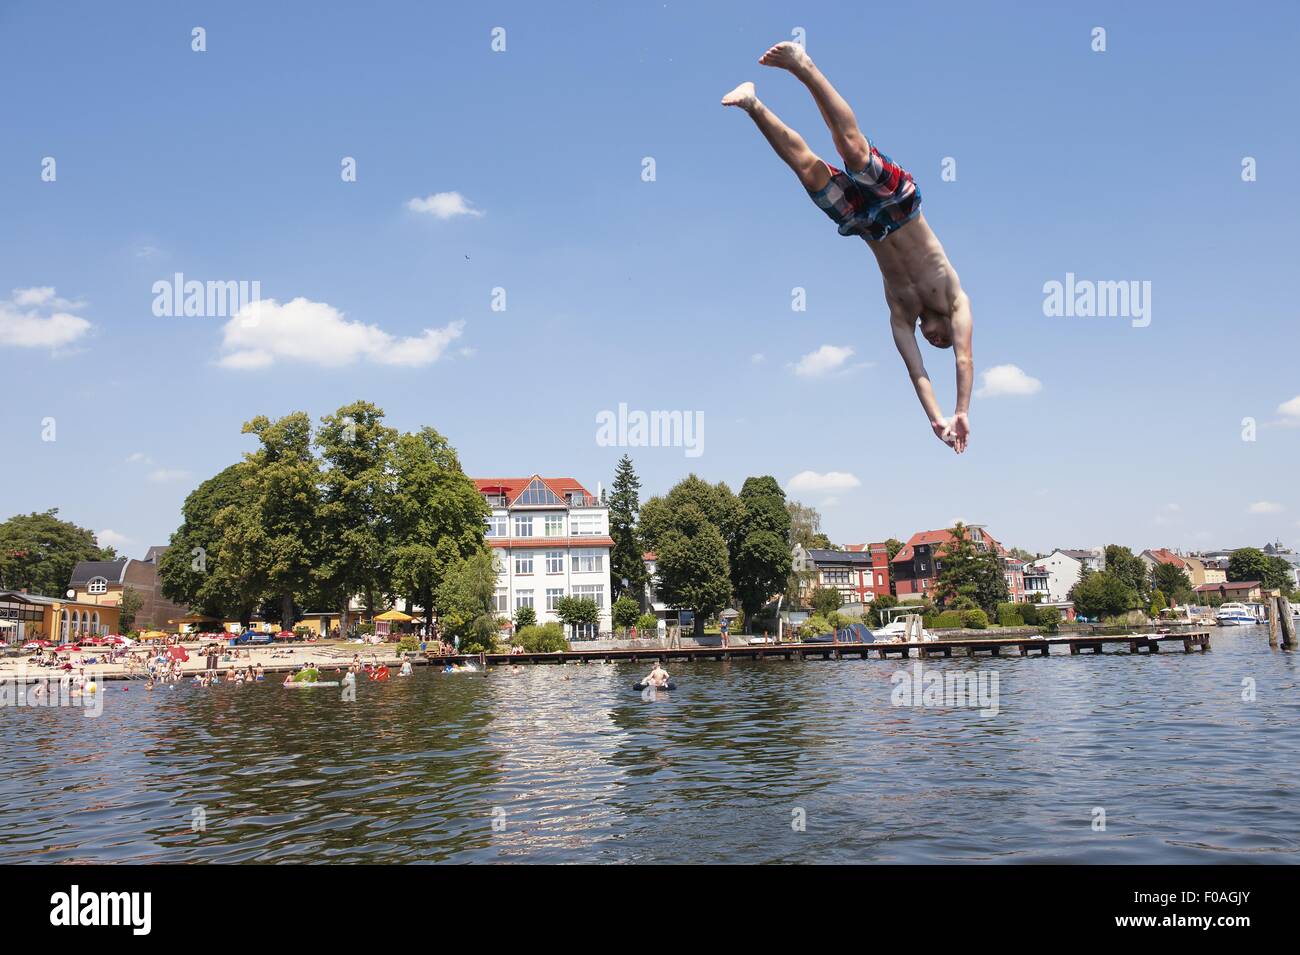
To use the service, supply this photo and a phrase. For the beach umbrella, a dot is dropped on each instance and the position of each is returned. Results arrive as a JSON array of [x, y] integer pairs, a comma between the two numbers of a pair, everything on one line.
[[67, 648], [395, 616], [36, 644], [178, 653]]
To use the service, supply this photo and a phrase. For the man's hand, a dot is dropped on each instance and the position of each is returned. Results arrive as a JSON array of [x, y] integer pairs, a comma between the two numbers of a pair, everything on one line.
[[942, 430], [958, 433]]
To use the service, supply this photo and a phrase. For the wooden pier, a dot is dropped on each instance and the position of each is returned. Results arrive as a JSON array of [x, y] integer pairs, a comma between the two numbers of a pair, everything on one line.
[[1189, 640]]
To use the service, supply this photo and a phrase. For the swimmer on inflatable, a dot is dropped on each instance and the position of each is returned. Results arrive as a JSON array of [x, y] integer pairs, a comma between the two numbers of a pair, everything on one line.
[[877, 200]]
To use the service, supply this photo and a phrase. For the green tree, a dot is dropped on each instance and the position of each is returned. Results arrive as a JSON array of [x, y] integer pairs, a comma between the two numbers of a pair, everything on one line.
[[38, 551], [1130, 569], [760, 553], [358, 453], [578, 612], [625, 560], [825, 600], [968, 574], [437, 516], [129, 608], [693, 568], [1172, 581], [625, 612], [525, 617], [1102, 594], [464, 600], [189, 568], [284, 479]]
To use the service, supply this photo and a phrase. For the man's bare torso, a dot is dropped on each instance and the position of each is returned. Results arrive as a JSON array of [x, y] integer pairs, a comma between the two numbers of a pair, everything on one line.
[[919, 279]]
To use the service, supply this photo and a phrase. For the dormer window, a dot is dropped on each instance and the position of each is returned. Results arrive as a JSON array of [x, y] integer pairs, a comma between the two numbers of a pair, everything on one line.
[[97, 585]]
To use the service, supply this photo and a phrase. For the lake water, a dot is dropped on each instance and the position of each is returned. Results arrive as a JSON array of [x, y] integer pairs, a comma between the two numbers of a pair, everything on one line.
[[744, 762]]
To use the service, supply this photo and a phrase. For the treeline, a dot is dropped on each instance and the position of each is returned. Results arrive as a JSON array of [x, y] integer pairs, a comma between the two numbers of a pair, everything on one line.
[[1126, 584], [314, 517]]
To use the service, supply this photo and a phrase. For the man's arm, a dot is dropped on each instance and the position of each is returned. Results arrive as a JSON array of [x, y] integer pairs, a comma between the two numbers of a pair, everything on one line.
[[962, 329], [905, 340]]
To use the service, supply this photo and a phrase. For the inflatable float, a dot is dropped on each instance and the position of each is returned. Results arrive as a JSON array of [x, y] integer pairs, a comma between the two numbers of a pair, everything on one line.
[[641, 685], [305, 685]]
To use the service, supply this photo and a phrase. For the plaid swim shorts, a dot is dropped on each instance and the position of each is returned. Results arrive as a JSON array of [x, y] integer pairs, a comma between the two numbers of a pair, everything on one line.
[[871, 203]]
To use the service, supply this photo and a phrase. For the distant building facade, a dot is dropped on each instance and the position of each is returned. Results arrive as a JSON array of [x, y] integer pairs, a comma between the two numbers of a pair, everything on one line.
[[550, 538], [101, 583], [1065, 567]]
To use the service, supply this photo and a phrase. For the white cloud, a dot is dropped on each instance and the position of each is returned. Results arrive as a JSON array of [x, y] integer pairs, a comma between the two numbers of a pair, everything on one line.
[[38, 318], [1290, 410], [1265, 507], [443, 205], [138, 457], [823, 361], [812, 482], [111, 538], [265, 331], [163, 475], [757, 358], [1007, 380]]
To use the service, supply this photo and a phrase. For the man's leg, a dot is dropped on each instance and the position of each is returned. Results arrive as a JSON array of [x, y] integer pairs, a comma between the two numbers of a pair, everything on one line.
[[850, 143], [788, 144]]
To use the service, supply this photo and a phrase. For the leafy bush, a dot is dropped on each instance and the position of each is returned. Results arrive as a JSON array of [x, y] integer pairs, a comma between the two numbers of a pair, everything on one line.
[[408, 644], [815, 626], [975, 619], [546, 638], [625, 612], [1008, 617], [1030, 613], [824, 600], [948, 620], [647, 622], [525, 617], [1049, 618]]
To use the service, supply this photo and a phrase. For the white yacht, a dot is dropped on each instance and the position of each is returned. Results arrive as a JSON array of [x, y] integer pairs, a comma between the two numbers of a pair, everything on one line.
[[1234, 615]]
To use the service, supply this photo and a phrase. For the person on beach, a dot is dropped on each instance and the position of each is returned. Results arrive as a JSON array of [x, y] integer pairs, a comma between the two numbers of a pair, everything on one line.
[[877, 200]]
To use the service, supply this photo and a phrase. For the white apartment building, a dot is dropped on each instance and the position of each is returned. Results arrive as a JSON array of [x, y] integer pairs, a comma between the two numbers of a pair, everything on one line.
[[1065, 567], [551, 540]]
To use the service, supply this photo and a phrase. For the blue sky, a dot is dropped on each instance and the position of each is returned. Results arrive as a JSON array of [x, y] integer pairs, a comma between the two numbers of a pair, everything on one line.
[[225, 165]]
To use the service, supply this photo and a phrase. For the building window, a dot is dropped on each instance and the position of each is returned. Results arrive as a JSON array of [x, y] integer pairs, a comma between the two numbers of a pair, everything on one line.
[[555, 561], [97, 585], [523, 527], [537, 493], [523, 598], [501, 602], [553, 594], [588, 562], [554, 525], [496, 526], [524, 564], [586, 525], [594, 592]]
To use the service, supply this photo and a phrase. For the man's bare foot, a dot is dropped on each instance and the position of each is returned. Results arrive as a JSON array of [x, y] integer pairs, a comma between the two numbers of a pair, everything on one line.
[[742, 96], [787, 56]]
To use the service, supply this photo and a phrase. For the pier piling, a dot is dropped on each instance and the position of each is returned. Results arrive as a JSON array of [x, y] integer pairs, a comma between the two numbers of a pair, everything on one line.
[[1287, 623]]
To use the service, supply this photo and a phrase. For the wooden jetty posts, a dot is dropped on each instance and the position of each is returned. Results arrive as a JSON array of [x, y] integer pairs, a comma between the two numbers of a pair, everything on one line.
[[1190, 640], [1281, 623]]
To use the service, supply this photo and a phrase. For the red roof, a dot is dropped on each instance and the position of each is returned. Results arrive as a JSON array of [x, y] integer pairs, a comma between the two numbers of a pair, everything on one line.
[[1163, 555], [513, 487], [1231, 585], [939, 538]]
